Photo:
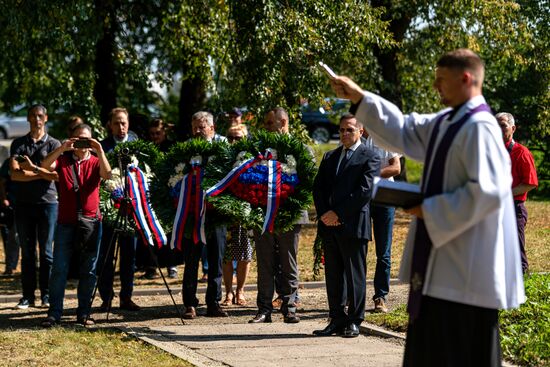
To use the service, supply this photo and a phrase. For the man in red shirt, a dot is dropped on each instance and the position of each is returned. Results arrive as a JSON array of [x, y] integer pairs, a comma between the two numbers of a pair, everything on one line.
[[79, 174], [524, 177]]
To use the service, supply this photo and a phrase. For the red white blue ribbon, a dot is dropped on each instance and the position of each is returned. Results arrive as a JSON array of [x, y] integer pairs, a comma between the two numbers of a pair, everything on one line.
[[183, 209], [273, 185], [273, 194], [148, 225]]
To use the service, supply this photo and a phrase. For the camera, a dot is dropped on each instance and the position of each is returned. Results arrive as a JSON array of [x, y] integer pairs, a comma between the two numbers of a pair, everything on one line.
[[82, 143]]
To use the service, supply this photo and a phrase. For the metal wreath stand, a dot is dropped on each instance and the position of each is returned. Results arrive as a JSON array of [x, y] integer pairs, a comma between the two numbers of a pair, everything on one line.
[[120, 224]]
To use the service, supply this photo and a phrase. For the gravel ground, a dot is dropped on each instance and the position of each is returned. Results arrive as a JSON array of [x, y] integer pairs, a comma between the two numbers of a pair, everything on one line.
[[159, 310]]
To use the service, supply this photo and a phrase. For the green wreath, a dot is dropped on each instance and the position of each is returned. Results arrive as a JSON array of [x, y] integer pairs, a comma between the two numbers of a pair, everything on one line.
[[146, 155], [171, 169], [239, 209]]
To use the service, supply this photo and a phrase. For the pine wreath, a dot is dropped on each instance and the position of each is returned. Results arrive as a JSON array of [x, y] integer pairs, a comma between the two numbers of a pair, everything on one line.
[[143, 153], [176, 163], [244, 201]]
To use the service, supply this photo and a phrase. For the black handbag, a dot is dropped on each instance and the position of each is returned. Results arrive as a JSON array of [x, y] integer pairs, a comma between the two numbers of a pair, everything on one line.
[[87, 227]]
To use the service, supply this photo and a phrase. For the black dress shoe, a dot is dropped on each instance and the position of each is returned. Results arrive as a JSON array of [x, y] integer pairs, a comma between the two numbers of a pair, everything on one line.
[[260, 317], [215, 311], [351, 331], [291, 318], [331, 329]]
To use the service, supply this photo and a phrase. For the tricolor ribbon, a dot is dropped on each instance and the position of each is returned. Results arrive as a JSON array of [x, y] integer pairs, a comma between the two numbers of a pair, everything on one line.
[[184, 204], [273, 194], [273, 185], [148, 225]]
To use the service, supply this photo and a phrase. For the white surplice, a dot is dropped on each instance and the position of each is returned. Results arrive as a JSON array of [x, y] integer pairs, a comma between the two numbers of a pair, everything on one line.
[[475, 257]]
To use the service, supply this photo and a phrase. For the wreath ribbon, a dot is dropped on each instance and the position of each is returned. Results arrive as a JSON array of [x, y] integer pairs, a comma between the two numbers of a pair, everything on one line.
[[182, 212], [144, 216], [273, 185]]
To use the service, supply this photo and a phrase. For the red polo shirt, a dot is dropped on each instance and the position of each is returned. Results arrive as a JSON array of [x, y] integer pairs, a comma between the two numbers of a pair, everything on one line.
[[523, 168], [87, 172]]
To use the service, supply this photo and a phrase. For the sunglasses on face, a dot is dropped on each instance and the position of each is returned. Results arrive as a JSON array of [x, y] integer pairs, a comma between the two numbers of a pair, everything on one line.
[[350, 130]]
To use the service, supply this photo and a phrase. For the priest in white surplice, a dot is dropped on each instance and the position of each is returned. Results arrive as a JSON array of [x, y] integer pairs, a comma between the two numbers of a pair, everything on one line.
[[461, 255]]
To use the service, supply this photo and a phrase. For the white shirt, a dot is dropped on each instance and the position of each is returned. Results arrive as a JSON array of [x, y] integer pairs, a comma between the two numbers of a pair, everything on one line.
[[385, 155], [475, 257], [345, 151]]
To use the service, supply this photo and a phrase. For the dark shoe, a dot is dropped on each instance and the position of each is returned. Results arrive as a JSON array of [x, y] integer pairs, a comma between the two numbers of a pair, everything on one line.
[[105, 306], [291, 318], [151, 274], [351, 331], [190, 313], [204, 279], [260, 317], [24, 304], [8, 272], [48, 322], [331, 329], [215, 311], [85, 321], [128, 305]]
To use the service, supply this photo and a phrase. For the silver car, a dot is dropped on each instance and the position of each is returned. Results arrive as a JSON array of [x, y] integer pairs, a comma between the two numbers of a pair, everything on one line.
[[14, 124]]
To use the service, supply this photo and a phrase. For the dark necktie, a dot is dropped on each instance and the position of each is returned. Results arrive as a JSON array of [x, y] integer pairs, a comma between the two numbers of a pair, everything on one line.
[[344, 161]]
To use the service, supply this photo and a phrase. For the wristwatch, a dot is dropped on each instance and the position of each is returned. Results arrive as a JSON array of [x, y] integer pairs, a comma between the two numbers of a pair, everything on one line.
[[35, 169]]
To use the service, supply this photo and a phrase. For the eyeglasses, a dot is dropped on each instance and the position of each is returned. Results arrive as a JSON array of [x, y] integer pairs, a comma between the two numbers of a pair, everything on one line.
[[350, 130]]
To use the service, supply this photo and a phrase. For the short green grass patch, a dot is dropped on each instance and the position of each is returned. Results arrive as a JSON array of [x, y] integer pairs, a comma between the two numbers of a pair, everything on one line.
[[525, 332], [75, 346]]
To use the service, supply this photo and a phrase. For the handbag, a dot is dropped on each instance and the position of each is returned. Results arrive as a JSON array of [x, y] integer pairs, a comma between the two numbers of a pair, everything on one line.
[[86, 227]]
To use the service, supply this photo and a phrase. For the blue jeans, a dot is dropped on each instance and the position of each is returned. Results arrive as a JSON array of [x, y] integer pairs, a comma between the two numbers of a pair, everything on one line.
[[382, 222], [62, 252], [105, 265], [35, 222]]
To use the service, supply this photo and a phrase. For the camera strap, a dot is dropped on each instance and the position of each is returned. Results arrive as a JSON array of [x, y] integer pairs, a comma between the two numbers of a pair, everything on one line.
[[76, 187]]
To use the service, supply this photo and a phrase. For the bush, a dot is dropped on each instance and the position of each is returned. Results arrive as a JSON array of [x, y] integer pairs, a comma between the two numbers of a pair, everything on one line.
[[525, 332]]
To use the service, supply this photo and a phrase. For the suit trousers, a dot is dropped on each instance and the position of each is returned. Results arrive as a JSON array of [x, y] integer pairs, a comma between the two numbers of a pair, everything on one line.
[[345, 276], [276, 255], [215, 244]]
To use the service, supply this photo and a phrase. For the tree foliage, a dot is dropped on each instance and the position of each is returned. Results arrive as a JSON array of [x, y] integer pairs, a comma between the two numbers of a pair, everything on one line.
[[86, 56]]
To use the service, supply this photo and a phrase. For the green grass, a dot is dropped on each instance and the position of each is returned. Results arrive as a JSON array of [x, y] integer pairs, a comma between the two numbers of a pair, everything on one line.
[[68, 346], [525, 332]]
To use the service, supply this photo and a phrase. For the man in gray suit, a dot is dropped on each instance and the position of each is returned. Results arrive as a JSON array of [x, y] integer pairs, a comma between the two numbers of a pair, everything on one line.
[[276, 253], [341, 191]]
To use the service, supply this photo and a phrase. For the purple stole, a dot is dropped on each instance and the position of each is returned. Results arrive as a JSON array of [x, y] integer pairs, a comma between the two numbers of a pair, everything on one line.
[[432, 185]]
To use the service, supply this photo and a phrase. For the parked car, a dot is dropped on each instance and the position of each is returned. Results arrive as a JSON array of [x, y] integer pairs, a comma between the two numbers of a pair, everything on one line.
[[14, 123], [322, 122]]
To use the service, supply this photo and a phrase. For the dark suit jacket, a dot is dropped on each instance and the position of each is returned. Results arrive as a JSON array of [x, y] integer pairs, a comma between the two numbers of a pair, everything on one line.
[[348, 193]]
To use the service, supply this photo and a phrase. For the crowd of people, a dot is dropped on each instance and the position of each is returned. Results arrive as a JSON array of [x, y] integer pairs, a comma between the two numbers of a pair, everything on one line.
[[464, 258]]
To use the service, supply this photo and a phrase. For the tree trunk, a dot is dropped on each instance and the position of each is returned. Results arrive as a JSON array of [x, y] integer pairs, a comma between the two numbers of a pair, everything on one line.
[[192, 99], [390, 89], [105, 89]]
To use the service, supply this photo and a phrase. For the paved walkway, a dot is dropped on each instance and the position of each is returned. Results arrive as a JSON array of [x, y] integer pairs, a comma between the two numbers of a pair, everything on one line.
[[270, 345]]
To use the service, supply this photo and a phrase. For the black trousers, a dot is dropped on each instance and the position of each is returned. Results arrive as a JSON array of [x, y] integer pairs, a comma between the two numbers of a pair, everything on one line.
[[449, 334], [345, 277], [215, 243]]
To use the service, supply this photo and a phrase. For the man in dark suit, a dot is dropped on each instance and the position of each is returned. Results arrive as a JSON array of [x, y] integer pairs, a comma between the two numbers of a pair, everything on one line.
[[342, 192]]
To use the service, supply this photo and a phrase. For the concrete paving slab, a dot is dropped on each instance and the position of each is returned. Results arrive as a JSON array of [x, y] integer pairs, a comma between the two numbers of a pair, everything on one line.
[[268, 345]]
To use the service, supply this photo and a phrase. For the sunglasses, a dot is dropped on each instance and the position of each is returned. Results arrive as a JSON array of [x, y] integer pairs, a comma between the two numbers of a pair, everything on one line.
[[350, 130]]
